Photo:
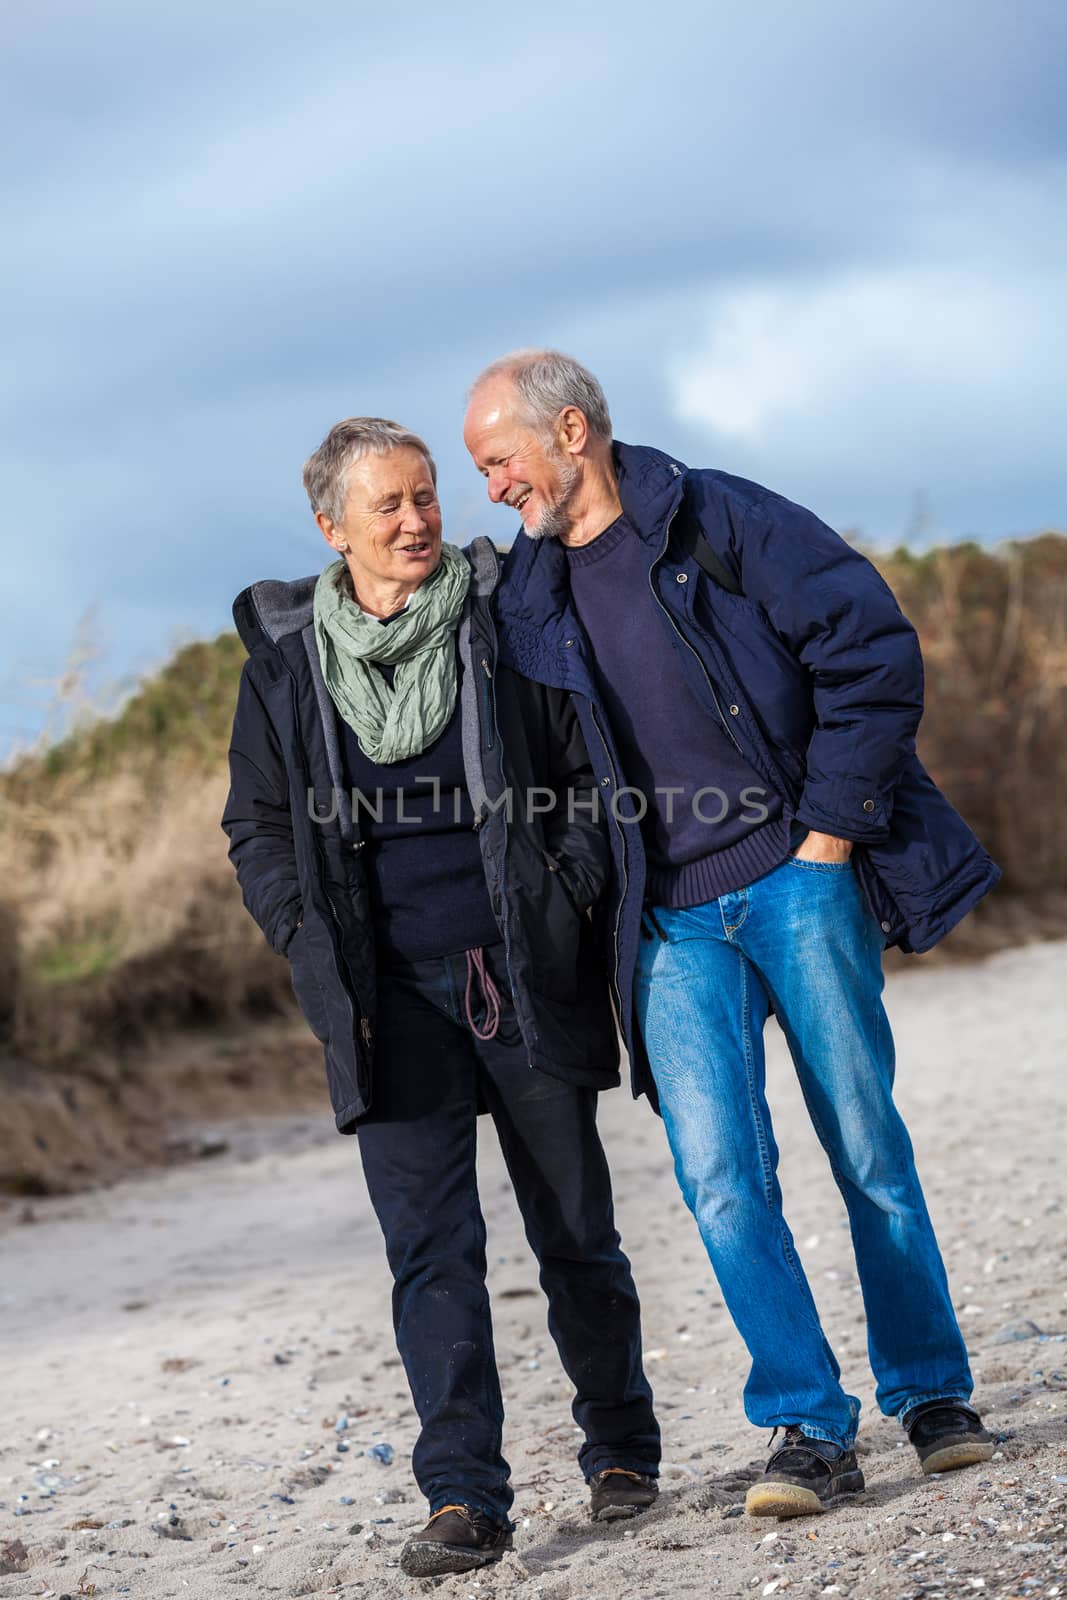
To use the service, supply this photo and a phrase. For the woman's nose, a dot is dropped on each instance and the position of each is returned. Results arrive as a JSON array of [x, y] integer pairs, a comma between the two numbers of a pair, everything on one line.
[[412, 519]]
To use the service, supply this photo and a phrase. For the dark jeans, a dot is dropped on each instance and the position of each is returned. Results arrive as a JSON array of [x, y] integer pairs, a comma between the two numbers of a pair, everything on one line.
[[418, 1151]]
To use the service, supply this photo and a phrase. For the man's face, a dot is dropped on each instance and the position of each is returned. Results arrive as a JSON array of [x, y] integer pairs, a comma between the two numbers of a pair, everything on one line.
[[523, 470]]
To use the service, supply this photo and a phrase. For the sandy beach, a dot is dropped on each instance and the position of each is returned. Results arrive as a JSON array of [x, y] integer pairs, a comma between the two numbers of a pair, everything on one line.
[[200, 1392]]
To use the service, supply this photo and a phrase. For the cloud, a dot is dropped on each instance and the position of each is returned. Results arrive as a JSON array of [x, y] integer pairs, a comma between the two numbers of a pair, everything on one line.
[[874, 385], [788, 356], [817, 243]]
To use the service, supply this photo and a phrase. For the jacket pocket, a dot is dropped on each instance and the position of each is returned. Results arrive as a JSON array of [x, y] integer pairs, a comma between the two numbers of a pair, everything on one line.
[[306, 985], [549, 924], [580, 902]]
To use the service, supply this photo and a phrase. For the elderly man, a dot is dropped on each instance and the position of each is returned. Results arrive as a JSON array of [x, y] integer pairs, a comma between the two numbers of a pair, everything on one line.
[[749, 693]]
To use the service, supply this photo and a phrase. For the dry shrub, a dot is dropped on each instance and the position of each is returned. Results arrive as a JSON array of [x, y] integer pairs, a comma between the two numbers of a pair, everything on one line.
[[10, 955], [113, 864], [993, 626], [130, 918], [121, 915]]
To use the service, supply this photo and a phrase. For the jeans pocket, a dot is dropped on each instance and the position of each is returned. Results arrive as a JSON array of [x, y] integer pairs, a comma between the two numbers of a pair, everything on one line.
[[819, 866], [667, 925]]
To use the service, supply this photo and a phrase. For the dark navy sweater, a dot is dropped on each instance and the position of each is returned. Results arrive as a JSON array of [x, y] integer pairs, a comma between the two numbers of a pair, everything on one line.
[[424, 863], [697, 846]]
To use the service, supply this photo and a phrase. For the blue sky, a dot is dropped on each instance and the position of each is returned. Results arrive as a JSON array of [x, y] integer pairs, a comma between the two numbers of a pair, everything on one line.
[[823, 245]]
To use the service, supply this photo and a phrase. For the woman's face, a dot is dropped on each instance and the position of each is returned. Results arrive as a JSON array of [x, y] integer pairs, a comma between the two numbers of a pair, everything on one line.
[[392, 521]]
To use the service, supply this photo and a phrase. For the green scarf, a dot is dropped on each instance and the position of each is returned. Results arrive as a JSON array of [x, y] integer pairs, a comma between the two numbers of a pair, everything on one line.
[[393, 724]]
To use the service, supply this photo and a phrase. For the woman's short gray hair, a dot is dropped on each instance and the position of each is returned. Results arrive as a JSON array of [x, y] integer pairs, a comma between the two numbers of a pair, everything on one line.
[[548, 382], [326, 472]]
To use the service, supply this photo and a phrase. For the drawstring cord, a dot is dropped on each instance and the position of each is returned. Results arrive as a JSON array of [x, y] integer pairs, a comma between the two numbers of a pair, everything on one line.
[[490, 996]]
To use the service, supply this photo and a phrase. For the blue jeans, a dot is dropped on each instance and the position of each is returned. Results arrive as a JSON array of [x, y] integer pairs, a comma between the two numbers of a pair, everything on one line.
[[799, 941], [432, 1076]]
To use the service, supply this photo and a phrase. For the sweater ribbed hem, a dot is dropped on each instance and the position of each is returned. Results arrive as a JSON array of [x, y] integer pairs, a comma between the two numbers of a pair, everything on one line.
[[740, 864], [473, 928]]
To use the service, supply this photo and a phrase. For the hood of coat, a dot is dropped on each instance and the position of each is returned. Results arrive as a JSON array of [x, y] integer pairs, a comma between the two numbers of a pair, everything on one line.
[[274, 607]]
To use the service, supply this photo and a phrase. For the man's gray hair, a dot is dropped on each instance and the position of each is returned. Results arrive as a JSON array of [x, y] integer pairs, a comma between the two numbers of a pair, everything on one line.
[[326, 472], [548, 382]]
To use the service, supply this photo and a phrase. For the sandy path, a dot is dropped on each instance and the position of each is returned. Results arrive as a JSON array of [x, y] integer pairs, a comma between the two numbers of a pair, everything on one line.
[[174, 1353]]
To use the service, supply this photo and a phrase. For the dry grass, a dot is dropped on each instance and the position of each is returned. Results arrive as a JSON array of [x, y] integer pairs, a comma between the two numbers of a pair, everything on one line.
[[124, 916], [129, 919], [994, 637], [122, 919]]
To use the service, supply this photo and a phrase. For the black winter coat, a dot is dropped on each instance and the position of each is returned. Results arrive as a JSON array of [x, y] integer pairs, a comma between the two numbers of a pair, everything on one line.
[[298, 851]]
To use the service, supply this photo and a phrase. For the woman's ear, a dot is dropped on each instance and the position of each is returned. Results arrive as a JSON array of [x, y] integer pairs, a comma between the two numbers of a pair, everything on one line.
[[331, 533]]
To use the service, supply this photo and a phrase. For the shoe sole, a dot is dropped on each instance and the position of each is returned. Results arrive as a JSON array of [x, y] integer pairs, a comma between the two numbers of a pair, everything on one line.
[[792, 1500], [426, 1560], [957, 1453], [618, 1513]]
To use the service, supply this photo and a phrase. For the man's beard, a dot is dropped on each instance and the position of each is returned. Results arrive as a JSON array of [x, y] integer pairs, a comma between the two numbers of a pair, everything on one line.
[[555, 520]]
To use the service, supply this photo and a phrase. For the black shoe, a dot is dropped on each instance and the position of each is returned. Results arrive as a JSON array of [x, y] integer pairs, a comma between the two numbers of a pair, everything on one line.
[[456, 1539], [948, 1434], [617, 1493], [804, 1476]]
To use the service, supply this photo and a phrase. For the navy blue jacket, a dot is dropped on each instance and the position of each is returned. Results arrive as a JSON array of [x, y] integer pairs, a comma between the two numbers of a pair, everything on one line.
[[298, 850], [812, 669]]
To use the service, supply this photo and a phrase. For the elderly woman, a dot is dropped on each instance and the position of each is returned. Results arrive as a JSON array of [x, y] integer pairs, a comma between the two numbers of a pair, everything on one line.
[[416, 830]]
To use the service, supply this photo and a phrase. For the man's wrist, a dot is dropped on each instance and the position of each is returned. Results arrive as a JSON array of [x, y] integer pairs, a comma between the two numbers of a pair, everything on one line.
[[823, 847]]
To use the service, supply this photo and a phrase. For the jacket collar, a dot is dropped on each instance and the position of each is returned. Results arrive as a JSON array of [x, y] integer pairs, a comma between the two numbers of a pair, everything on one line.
[[651, 485]]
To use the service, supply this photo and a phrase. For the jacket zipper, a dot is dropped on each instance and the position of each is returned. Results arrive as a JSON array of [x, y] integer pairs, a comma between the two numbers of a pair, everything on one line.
[[489, 713], [492, 728], [685, 641], [781, 785], [625, 868], [364, 1022]]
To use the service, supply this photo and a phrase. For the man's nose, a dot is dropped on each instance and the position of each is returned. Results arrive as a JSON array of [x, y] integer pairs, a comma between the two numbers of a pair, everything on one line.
[[498, 486]]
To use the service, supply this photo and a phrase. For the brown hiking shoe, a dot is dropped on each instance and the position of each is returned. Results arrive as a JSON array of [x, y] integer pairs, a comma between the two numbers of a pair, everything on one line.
[[456, 1539], [617, 1493]]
